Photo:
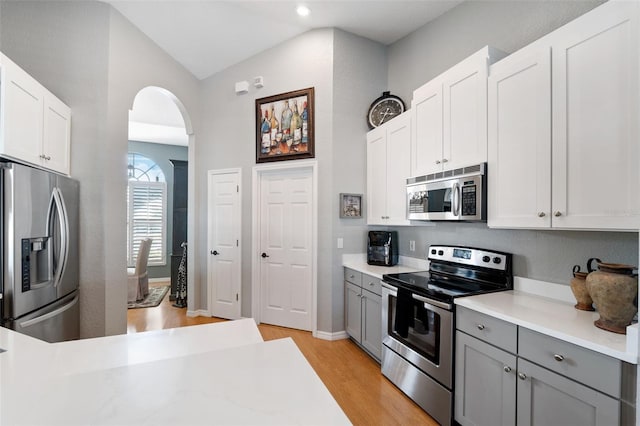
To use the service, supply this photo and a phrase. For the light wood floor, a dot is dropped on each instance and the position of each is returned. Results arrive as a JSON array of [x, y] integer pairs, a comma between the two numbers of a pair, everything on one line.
[[352, 377]]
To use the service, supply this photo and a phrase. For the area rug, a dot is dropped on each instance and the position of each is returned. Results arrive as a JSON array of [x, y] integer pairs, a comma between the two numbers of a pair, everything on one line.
[[155, 296]]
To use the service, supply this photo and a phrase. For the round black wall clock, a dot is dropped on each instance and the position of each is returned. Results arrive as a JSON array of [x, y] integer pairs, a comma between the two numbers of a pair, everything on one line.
[[384, 109]]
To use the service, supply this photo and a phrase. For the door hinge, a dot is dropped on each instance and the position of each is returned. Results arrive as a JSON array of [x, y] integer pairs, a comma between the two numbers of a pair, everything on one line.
[[236, 297], [237, 243], [237, 188]]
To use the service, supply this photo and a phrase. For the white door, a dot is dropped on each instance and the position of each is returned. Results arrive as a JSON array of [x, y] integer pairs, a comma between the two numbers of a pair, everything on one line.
[[224, 244], [286, 229], [520, 140]]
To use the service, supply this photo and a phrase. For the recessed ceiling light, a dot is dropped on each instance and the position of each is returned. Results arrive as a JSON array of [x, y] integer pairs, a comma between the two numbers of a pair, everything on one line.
[[303, 10]]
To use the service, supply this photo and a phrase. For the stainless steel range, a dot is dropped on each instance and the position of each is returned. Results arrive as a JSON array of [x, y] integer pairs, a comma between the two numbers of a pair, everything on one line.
[[418, 319]]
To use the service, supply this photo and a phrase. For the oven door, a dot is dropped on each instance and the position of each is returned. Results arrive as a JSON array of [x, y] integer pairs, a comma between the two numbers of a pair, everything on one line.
[[429, 341]]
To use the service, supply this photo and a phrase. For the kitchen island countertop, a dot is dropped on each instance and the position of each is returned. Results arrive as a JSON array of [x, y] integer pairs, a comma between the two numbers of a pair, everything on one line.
[[219, 373]]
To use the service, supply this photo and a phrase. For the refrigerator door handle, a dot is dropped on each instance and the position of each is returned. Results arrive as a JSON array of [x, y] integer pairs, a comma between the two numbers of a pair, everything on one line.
[[64, 235], [51, 314]]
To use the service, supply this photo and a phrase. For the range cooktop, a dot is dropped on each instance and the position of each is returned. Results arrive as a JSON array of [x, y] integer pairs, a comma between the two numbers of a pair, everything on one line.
[[457, 271]]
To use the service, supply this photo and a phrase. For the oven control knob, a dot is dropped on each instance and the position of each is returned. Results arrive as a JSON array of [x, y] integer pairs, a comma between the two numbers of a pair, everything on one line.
[[440, 252], [497, 260], [486, 258], [433, 251]]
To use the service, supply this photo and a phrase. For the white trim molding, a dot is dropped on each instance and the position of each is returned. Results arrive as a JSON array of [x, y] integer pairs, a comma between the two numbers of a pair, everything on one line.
[[256, 174], [199, 313], [325, 335]]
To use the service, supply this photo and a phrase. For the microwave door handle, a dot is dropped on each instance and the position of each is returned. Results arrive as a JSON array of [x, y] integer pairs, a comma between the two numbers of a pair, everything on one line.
[[456, 199]]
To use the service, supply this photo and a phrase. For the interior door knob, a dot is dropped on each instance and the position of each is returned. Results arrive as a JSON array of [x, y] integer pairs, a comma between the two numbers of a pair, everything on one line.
[[264, 255], [214, 252]]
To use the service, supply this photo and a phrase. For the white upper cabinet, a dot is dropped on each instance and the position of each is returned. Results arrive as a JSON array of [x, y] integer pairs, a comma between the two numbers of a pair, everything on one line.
[[564, 128], [596, 120], [388, 167], [450, 116], [35, 126], [519, 187]]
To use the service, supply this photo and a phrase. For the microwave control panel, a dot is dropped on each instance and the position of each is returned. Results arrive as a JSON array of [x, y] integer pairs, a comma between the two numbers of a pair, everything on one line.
[[469, 199]]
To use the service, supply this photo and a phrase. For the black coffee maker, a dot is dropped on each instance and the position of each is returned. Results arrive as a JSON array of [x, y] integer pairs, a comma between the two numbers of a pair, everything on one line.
[[382, 248]]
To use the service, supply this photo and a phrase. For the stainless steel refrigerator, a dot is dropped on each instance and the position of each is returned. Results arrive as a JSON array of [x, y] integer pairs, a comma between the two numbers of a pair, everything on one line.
[[39, 270]]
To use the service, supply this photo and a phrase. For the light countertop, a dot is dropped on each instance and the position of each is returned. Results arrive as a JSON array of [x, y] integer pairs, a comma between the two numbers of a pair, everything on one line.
[[555, 318], [219, 373], [359, 263]]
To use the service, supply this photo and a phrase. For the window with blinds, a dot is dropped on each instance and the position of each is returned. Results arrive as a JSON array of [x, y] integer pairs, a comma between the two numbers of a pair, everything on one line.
[[147, 207]]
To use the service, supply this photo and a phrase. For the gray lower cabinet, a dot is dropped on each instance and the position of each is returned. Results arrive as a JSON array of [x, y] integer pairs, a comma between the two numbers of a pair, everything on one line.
[[485, 383], [535, 381], [547, 398], [363, 311]]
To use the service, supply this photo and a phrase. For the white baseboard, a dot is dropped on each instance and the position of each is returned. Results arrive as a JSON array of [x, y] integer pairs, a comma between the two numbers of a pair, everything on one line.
[[325, 335], [159, 280], [199, 313]]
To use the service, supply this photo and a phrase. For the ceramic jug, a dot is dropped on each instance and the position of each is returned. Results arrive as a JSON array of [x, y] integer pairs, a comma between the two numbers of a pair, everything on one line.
[[579, 289], [613, 288]]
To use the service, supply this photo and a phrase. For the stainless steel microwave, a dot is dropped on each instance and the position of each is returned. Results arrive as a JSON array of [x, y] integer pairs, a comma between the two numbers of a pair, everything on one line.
[[459, 194]]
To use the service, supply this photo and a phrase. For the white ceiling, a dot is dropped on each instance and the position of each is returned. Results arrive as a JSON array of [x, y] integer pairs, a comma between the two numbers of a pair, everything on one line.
[[207, 36]]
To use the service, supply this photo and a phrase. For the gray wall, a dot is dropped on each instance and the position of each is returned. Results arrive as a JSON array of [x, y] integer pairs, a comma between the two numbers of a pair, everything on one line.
[[93, 59], [358, 76], [347, 72], [229, 134], [161, 154], [542, 255], [507, 25]]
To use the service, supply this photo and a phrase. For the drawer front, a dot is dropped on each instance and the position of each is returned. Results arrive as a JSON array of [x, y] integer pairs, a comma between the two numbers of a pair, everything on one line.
[[487, 328], [372, 284], [353, 276], [583, 365]]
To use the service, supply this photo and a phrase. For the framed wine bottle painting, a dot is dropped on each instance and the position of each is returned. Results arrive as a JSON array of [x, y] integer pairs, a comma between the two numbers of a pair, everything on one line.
[[284, 126]]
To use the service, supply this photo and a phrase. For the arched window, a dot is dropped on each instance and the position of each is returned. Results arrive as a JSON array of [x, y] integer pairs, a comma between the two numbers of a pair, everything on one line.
[[146, 209]]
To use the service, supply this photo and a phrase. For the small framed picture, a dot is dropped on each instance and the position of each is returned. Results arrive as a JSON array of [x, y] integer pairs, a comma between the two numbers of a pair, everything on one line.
[[350, 206]]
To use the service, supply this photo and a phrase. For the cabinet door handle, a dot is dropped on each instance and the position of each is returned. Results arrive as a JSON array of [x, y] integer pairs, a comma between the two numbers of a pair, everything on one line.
[[480, 326], [371, 284], [542, 214], [558, 213], [522, 376], [352, 276], [507, 369], [437, 161], [444, 160], [42, 156], [558, 357]]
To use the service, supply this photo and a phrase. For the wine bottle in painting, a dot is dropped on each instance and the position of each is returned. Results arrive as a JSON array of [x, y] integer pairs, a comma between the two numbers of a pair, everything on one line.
[[305, 123], [265, 129], [296, 126], [274, 127], [286, 121]]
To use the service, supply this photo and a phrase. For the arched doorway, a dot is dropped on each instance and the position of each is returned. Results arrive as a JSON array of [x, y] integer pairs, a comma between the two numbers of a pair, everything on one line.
[[160, 135]]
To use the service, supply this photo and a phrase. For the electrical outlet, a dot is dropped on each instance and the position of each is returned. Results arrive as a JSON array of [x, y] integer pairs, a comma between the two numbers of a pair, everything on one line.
[[412, 245]]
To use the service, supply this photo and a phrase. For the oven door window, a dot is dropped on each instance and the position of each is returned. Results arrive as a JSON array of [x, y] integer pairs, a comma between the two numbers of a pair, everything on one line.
[[439, 200], [423, 334]]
